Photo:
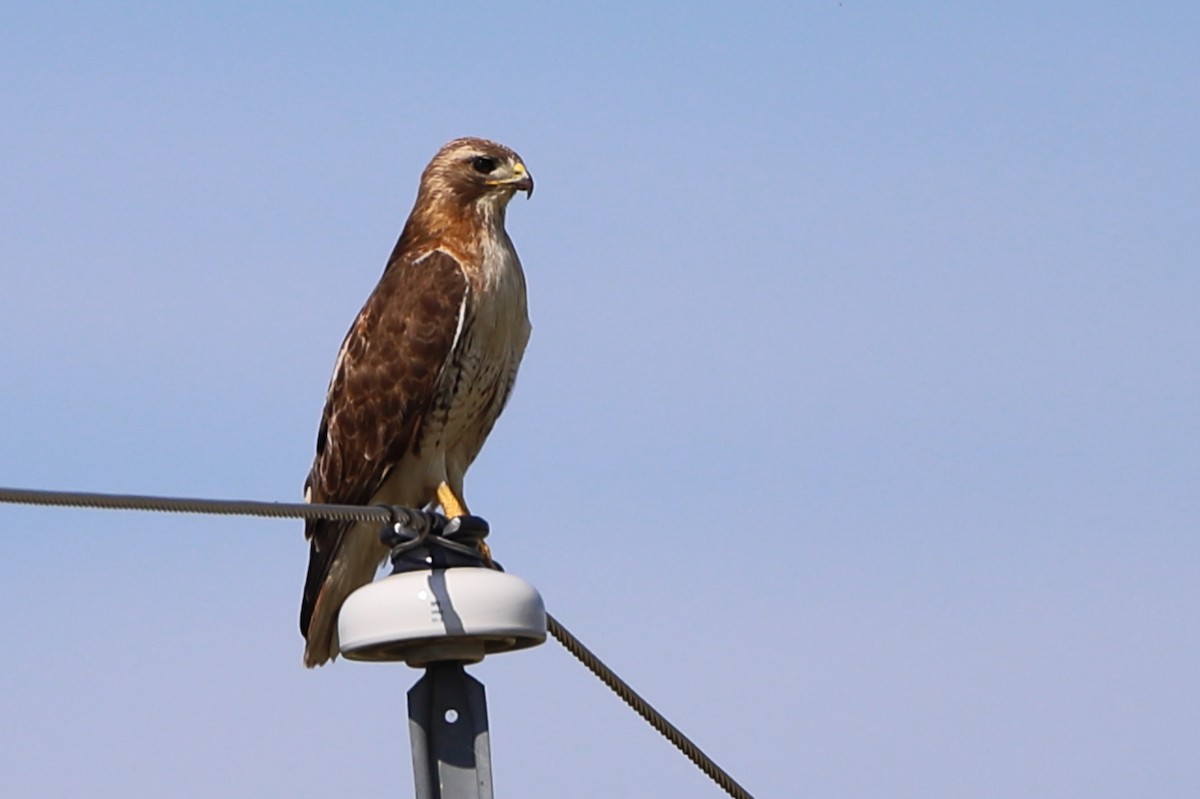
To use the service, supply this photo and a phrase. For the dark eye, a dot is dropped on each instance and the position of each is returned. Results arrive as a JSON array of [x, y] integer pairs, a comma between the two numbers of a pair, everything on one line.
[[483, 164]]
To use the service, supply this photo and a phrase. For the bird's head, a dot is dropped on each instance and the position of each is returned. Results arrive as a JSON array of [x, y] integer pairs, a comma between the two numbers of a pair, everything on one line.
[[471, 170]]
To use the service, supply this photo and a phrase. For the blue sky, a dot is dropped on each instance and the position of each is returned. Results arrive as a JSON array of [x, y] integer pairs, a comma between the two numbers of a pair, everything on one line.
[[858, 429]]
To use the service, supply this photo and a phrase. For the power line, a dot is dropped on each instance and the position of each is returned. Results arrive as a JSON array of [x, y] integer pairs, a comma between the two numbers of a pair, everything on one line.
[[644, 709], [381, 514], [222, 507]]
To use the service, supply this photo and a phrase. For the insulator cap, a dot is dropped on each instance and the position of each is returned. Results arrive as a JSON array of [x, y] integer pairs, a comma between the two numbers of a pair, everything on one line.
[[422, 617]]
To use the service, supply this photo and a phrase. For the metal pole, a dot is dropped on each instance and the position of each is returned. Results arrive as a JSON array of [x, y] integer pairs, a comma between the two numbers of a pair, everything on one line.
[[447, 723]]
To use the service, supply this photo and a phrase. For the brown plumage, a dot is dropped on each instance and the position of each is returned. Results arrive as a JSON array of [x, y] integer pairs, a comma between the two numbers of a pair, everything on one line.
[[423, 372]]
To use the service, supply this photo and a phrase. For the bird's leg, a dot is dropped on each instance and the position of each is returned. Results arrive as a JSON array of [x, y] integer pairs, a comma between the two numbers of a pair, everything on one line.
[[452, 506]]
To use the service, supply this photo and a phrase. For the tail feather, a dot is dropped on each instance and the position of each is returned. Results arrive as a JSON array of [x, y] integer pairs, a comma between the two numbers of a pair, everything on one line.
[[333, 576], [319, 561]]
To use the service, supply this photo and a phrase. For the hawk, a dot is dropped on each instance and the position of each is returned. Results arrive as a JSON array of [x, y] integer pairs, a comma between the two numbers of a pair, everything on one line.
[[422, 375]]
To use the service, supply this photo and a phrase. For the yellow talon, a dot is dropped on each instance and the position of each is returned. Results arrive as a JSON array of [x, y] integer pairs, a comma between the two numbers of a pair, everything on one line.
[[451, 505]]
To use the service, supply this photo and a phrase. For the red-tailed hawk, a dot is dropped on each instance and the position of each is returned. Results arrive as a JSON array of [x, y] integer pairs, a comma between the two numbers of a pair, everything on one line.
[[422, 375]]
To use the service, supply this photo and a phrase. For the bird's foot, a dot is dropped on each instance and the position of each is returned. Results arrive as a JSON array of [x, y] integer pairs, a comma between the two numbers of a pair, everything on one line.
[[451, 505]]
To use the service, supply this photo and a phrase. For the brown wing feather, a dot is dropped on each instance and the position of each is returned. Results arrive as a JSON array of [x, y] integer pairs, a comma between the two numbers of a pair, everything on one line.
[[382, 387]]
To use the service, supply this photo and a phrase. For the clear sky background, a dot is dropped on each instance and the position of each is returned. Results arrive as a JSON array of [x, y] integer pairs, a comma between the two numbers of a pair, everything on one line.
[[858, 429]]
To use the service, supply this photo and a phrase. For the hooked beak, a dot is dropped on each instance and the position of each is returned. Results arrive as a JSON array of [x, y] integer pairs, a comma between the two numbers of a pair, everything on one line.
[[521, 180]]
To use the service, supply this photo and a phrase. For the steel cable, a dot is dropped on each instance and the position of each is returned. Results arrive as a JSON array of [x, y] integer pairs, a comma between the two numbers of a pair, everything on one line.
[[223, 507], [644, 709], [381, 514]]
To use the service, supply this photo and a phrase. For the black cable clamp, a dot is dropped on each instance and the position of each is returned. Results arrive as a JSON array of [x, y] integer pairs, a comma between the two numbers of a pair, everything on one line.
[[420, 540]]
